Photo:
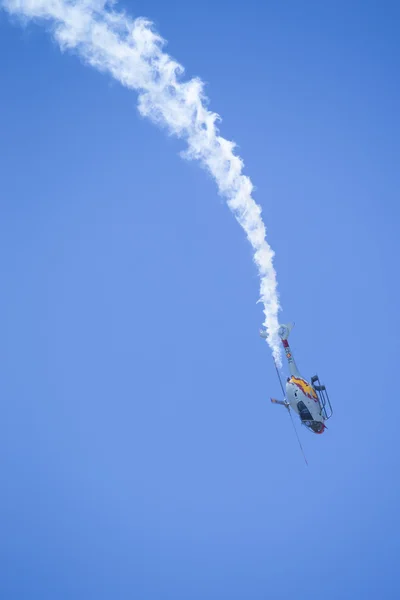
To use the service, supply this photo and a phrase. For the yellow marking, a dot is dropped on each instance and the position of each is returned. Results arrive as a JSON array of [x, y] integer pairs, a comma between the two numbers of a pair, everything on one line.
[[305, 387]]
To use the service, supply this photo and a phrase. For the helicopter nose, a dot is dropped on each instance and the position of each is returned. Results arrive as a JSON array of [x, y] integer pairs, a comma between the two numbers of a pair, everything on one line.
[[322, 429]]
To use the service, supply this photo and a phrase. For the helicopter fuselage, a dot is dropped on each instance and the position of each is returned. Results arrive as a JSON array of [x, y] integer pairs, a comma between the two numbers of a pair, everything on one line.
[[300, 394]]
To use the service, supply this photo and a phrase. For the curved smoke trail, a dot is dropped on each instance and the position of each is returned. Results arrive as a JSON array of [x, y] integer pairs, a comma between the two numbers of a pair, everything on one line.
[[131, 51]]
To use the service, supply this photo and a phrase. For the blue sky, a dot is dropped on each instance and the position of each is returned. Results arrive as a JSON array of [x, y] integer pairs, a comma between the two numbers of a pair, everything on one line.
[[140, 455]]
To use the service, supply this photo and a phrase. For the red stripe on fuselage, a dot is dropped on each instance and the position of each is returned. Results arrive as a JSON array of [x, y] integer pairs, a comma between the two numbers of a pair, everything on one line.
[[285, 343]]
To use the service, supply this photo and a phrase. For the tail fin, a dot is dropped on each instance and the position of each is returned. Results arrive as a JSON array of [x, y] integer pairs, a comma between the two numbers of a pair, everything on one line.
[[284, 331]]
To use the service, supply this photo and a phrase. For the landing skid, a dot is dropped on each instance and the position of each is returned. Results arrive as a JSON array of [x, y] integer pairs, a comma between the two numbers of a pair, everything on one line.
[[323, 398]]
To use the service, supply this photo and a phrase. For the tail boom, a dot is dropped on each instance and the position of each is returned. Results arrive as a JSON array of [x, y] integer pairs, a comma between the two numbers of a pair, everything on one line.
[[284, 332]]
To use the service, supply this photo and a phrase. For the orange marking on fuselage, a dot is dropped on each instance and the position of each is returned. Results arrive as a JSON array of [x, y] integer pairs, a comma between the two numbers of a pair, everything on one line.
[[305, 387]]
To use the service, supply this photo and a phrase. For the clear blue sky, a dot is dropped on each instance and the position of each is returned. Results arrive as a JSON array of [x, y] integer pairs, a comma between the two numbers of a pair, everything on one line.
[[140, 455]]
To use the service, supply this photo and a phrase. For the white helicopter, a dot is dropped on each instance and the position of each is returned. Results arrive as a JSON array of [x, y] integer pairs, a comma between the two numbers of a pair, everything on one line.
[[309, 400]]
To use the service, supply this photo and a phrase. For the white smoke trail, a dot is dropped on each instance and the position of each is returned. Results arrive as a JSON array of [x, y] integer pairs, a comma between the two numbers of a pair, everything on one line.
[[131, 52]]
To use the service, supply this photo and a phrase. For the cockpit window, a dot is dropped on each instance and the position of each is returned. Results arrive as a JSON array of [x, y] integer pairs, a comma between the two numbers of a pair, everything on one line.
[[316, 426], [307, 419], [305, 414]]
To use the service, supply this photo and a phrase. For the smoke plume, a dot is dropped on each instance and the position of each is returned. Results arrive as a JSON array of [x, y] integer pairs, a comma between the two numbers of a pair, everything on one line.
[[132, 53]]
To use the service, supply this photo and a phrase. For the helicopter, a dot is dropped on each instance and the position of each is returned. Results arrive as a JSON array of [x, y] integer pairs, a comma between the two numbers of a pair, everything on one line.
[[309, 400]]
